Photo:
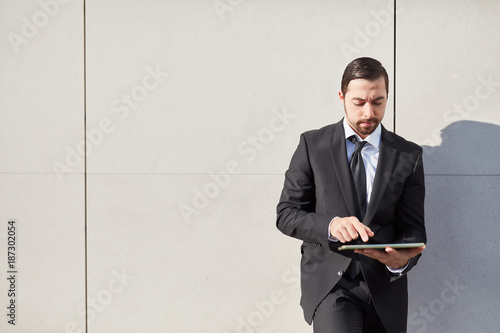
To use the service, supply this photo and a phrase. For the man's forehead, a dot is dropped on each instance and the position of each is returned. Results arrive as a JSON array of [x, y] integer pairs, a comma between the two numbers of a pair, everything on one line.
[[367, 87]]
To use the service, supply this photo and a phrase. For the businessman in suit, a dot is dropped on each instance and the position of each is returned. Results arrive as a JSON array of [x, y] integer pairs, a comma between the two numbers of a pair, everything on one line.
[[348, 183]]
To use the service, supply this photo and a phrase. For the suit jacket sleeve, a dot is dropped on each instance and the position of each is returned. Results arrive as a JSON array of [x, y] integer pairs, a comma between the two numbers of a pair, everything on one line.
[[296, 216], [410, 226]]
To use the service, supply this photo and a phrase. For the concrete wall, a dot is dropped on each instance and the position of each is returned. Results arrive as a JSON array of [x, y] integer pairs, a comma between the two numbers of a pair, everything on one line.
[[191, 111]]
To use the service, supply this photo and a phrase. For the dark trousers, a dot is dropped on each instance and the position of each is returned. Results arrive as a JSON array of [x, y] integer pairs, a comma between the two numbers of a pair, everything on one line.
[[347, 309]]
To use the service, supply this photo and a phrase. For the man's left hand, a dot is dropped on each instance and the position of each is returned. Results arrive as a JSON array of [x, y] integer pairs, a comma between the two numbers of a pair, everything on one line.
[[392, 257]]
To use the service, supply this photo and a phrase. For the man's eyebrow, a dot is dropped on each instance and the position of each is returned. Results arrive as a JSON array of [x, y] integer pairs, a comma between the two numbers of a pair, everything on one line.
[[362, 99]]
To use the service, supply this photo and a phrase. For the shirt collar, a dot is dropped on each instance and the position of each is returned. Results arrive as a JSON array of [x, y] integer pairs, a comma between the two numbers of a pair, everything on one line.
[[373, 139]]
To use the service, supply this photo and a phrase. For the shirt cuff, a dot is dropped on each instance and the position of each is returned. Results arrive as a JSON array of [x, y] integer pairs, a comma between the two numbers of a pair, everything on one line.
[[330, 237], [398, 270]]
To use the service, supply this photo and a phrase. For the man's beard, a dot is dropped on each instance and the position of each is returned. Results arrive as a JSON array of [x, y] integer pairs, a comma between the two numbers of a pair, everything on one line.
[[365, 131]]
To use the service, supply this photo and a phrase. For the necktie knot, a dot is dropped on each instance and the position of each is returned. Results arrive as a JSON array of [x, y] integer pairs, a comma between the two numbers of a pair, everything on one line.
[[358, 144]]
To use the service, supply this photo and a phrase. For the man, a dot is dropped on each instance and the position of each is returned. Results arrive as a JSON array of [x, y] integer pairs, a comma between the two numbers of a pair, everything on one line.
[[379, 199]]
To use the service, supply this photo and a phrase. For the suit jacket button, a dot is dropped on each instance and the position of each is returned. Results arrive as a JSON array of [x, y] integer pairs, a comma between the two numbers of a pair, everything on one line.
[[340, 273]]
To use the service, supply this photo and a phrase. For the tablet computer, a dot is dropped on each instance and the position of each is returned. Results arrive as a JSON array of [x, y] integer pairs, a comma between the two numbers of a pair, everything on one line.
[[380, 246]]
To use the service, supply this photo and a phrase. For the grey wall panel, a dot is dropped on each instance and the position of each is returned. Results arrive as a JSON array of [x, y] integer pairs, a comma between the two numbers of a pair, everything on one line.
[[448, 83], [41, 99], [241, 87], [453, 287], [41, 166]]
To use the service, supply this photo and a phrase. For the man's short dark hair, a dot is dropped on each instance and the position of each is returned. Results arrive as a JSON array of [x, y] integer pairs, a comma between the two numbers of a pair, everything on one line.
[[364, 68]]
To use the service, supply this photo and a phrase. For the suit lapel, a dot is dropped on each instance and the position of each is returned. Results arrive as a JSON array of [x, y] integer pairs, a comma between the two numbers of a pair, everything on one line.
[[387, 158], [338, 153]]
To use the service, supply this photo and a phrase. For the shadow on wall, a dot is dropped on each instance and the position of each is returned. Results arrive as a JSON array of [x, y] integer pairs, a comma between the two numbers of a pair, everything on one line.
[[459, 269], [462, 197], [468, 147]]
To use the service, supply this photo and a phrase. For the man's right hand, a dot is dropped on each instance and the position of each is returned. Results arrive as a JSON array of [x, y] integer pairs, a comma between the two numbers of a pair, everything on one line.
[[345, 229]]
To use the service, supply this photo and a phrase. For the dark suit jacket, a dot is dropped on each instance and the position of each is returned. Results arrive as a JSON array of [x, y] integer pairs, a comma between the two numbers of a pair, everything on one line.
[[319, 186]]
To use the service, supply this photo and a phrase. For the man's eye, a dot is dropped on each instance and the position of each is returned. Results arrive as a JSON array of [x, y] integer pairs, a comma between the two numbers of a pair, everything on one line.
[[377, 103], [359, 104]]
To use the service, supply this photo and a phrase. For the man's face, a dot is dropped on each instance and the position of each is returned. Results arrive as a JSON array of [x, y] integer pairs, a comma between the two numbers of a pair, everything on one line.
[[364, 105]]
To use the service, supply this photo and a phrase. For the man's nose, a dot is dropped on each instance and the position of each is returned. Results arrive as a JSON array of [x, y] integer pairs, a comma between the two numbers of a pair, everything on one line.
[[368, 111]]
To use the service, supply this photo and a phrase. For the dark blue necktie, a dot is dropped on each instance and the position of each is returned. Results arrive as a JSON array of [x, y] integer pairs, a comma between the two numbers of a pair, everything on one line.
[[359, 177], [359, 174]]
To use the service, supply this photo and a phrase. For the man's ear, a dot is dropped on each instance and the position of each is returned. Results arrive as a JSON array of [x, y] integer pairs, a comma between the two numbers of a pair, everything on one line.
[[341, 96]]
